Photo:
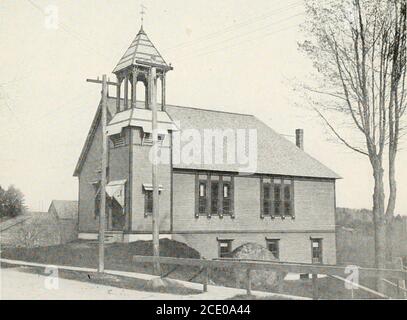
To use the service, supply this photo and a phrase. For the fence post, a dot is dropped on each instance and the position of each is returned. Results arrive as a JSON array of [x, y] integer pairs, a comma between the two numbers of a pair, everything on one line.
[[315, 286], [206, 279], [249, 281]]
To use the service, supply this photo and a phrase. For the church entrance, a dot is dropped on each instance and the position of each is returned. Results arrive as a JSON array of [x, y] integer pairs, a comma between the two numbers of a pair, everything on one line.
[[117, 216], [115, 190]]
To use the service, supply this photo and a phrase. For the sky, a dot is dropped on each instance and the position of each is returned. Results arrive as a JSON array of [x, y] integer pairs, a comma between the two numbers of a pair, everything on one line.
[[230, 55]]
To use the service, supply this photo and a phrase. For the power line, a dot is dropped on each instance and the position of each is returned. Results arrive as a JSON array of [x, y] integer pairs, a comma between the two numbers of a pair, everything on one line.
[[186, 57], [234, 27], [70, 32]]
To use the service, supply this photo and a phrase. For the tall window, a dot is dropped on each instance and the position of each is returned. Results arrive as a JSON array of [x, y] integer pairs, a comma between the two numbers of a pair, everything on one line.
[[287, 198], [227, 196], [203, 197], [277, 198], [273, 245], [267, 197], [214, 195], [316, 250], [148, 202], [225, 248]]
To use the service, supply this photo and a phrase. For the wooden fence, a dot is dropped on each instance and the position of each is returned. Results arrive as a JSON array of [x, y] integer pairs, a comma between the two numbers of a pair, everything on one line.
[[337, 272]]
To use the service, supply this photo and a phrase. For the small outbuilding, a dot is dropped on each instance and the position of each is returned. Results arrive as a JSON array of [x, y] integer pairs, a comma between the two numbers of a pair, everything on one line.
[[66, 213]]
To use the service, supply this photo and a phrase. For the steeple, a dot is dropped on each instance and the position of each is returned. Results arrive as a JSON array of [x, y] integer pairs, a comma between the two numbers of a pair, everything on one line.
[[135, 66], [141, 52]]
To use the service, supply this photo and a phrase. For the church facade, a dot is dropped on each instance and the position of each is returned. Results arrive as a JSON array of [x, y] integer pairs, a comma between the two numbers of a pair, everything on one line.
[[225, 179]]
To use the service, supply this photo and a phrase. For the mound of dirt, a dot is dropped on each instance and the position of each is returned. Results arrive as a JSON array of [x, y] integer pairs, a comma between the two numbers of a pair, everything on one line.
[[260, 278], [237, 277]]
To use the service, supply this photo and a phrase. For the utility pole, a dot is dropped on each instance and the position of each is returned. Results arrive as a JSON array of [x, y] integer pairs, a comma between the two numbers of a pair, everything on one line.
[[102, 215], [156, 214]]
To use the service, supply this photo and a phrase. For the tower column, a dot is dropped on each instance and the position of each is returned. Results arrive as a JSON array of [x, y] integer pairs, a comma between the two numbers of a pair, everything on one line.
[[126, 92], [134, 89], [118, 93], [163, 84], [147, 94]]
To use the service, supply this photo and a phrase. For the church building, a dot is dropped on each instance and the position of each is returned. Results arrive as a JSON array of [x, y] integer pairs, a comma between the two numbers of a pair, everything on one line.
[[225, 179]]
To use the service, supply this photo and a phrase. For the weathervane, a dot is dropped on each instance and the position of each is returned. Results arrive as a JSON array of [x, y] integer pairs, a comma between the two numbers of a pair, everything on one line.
[[143, 12]]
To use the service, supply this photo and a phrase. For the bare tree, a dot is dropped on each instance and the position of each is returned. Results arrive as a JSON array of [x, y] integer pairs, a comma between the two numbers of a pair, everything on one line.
[[358, 49], [30, 234]]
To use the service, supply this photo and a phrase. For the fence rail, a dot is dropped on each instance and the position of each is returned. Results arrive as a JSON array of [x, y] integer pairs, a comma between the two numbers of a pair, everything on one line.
[[287, 267]]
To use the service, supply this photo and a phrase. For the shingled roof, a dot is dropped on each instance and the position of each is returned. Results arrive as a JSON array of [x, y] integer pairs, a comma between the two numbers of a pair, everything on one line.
[[275, 154], [140, 51], [65, 209]]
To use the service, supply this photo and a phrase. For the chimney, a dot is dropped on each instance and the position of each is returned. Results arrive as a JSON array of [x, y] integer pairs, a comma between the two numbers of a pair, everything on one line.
[[299, 138]]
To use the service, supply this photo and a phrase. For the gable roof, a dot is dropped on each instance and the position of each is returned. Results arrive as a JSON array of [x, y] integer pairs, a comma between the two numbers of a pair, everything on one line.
[[65, 209], [275, 154], [140, 51], [111, 108]]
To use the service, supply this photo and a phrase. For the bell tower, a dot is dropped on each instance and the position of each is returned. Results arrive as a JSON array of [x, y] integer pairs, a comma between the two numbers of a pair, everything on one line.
[[136, 65]]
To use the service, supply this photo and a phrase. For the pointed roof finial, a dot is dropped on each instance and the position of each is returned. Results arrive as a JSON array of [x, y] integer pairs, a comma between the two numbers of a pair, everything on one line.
[[143, 12]]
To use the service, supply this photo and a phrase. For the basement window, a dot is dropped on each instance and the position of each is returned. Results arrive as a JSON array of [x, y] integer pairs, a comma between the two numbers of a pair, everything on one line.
[[225, 248], [273, 245], [316, 250]]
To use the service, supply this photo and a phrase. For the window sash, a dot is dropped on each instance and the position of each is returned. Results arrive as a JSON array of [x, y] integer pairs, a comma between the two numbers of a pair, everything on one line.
[[274, 247], [214, 197], [203, 197], [316, 251], [225, 248], [227, 198], [148, 202], [277, 197], [219, 195]]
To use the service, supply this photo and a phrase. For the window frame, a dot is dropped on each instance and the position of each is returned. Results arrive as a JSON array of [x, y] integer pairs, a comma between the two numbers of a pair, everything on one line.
[[209, 179], [147, 201], [203, 199], [321, 252], [275, 241], [229, 243], [272, 182], [228, 198]]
